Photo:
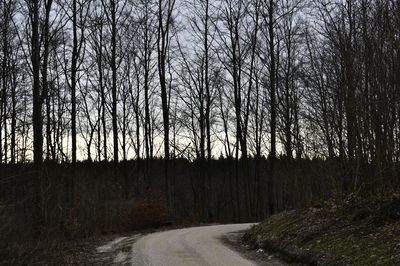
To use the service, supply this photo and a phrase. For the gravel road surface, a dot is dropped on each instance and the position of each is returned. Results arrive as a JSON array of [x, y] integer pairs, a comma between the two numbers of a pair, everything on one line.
[[190, 246]]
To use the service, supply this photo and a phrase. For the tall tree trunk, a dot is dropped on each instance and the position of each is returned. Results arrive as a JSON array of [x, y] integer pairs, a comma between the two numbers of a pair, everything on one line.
[[272, 76], [208, 102], [162, 48], [147, 121], [74, 61], [13, 117], [124, 150], [5, 77], [37, 107], [146, 66], [102, 91], [114, 82], [45, 84]]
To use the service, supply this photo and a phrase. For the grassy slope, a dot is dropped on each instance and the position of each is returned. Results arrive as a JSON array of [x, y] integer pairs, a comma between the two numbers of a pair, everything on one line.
[[355, 232]]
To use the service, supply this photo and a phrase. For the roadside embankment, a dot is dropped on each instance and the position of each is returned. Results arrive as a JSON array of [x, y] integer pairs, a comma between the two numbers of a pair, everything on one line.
[[354, 231]]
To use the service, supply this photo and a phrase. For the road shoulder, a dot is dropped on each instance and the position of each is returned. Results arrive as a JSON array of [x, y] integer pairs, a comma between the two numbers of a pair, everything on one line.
[[234, 241]]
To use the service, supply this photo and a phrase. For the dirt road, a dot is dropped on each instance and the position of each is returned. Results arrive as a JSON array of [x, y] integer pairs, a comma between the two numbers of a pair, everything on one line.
[[190, 246]]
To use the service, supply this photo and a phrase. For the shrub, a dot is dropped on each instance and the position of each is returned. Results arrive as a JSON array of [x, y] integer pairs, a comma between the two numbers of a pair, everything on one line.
[[144, 212]]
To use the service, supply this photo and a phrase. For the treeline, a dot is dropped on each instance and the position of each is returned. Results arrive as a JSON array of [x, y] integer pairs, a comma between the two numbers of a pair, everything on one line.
[[103, 80], [100, 204]]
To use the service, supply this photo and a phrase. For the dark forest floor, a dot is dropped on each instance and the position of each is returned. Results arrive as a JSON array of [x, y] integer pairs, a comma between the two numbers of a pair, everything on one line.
[[53, 250], [354, 231]]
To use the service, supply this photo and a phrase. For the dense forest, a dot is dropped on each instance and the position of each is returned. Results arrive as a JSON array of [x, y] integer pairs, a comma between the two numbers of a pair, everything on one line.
[[226, 110]]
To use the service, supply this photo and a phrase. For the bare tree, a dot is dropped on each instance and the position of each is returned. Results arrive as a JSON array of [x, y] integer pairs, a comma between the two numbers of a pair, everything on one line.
[[112, 10], [37, 102], [165, 23]]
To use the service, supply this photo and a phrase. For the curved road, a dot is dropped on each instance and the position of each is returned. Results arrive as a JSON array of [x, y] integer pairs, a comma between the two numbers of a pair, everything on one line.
[[190, 246]]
